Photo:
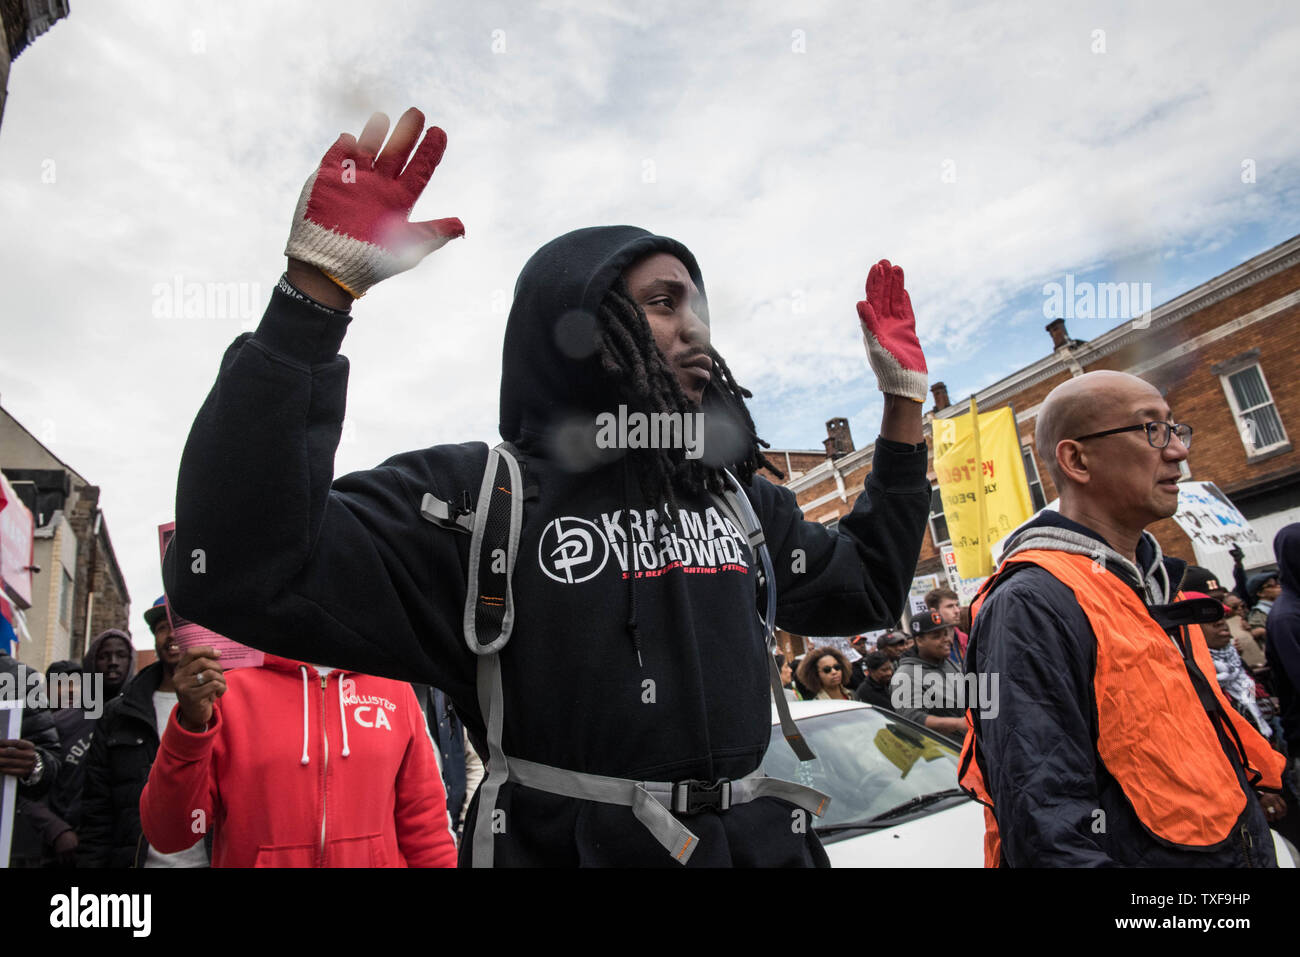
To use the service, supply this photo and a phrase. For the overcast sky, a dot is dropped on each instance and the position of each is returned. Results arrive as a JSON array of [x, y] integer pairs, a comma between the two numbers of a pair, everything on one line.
[[988, 150]]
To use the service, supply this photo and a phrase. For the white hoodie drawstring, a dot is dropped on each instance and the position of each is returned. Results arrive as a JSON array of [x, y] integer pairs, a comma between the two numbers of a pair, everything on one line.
[[343, 717], [303, 669]]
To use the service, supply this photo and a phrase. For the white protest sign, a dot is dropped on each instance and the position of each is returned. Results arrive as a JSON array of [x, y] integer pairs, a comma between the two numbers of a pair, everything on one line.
[[1210, 520], [11, 726]]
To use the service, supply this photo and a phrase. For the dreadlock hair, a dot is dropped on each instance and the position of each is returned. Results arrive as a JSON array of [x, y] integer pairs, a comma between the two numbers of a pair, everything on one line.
[[628, 353]]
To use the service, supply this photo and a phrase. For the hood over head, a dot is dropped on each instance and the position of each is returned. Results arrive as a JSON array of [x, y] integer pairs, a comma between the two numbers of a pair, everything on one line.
[[1286, 548], [550, 366], [88, 662]]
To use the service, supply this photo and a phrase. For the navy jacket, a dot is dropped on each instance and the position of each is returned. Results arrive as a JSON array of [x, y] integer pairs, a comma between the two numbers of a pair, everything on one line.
[[1282, 641], [1040, 751]]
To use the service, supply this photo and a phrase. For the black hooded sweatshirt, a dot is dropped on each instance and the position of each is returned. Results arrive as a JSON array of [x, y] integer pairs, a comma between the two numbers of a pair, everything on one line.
[[1282, 642], [637, 651]]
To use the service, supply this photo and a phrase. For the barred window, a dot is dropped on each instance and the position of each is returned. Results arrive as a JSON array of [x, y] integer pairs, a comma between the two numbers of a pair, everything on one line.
[[1252, 404], [1035, 481], [938, 523]]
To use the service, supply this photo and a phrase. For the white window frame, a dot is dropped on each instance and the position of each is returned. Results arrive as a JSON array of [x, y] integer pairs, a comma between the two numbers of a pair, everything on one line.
[[1232, 367], [930, 521], [1027, 454]]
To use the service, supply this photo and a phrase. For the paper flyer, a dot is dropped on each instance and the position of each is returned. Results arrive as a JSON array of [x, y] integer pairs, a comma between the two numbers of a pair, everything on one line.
[[188, 635]]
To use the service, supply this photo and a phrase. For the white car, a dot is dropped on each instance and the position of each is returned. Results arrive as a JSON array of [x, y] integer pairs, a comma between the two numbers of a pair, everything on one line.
[[895, 801]]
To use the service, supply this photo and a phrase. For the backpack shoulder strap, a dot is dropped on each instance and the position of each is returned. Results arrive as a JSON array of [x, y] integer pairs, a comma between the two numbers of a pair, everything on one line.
[[493, 550], [493, 522], [737, 507]]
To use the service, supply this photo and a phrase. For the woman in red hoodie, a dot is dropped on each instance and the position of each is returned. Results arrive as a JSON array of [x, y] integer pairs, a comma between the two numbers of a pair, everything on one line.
[[296, 766]]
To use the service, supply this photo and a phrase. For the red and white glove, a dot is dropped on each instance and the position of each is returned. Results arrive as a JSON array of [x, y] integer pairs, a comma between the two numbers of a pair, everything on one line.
[[889, 332], [352, 217]]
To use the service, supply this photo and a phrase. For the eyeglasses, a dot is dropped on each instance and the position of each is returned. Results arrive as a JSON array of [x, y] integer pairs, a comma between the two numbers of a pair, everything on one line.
[[830, 668], [1158, 433]]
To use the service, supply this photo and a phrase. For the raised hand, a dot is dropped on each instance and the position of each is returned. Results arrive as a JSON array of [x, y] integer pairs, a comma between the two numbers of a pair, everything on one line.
[[889, 332], [351, 222]]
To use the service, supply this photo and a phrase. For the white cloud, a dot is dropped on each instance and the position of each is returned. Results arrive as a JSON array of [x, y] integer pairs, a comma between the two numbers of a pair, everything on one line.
[[181, 135]]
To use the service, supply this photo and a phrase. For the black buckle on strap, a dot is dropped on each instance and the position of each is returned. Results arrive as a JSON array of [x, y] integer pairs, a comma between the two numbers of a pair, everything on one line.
[[691, 797]]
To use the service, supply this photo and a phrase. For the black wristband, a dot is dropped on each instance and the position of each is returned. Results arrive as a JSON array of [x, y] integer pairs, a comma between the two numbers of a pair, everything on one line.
[[289, 289]]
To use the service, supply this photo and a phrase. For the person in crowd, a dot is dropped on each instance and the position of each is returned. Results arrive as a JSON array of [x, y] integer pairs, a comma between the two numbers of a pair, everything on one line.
[[630, 584], [1282, 647], [1264, 589], [948, 604], [1111, 743], [1199, 579], [297, 765], [874, 689], [78, 696], [1234, 680], [459, 763], [927, 687], [121, 754], [892, 644], [33, 757], [824, 672]]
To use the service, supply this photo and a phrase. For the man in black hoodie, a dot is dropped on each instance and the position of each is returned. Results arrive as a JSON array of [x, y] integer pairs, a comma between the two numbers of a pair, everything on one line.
[[637, 653], [1282, 648]]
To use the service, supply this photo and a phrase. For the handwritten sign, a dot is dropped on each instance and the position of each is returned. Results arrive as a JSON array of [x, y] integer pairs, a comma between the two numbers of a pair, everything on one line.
[[1210, 520]]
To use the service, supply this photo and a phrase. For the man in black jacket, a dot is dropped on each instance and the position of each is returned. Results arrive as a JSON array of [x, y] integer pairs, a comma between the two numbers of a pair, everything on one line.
[[878, 669], [637, 654], [78, 696], [32, 758], [1109, 742], [117, 767]]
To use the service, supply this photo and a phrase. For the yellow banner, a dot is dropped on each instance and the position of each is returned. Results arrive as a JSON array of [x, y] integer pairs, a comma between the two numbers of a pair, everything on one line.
[[982, 483]]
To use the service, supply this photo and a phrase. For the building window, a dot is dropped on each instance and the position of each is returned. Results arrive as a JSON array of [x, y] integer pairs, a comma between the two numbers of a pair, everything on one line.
[[65, 600], [1252, 405], [938, 524], [1036, 496]]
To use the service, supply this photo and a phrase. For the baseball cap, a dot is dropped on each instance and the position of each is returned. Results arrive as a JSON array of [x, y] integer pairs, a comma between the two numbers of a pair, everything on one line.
[[155, 613], [1199, 579], [927, 622]]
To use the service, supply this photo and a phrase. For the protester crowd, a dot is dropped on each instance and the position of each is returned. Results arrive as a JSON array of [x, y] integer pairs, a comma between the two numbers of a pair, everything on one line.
[[1130, 688]]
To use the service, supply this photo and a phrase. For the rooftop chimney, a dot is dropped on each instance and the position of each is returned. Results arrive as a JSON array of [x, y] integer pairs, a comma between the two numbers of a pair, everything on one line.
[[940, 396], [839, 440], [1059, 336]]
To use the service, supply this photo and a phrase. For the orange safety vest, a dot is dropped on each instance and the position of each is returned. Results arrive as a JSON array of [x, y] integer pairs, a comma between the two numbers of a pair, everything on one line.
[[1154, 736]]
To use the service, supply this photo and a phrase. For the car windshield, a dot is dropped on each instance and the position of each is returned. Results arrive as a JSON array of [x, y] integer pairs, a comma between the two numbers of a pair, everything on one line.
[[867, 762]]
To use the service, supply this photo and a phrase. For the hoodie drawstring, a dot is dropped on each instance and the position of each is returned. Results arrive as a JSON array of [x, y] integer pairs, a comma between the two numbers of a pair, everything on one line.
[[306, 716], [303, 669], [343, 717], [631, 569]]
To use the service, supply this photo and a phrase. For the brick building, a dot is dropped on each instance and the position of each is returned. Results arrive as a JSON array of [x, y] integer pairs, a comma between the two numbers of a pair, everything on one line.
[[80, 590], [1224, 356]]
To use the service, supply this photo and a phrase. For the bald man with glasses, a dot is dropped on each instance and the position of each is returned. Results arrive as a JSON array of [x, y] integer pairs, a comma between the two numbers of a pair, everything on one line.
[[1110, 743]]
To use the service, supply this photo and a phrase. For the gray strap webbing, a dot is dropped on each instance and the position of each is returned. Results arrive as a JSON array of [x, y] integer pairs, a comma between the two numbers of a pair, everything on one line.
[[650, 801], [789, 730], [742, 513], [489, 702]]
